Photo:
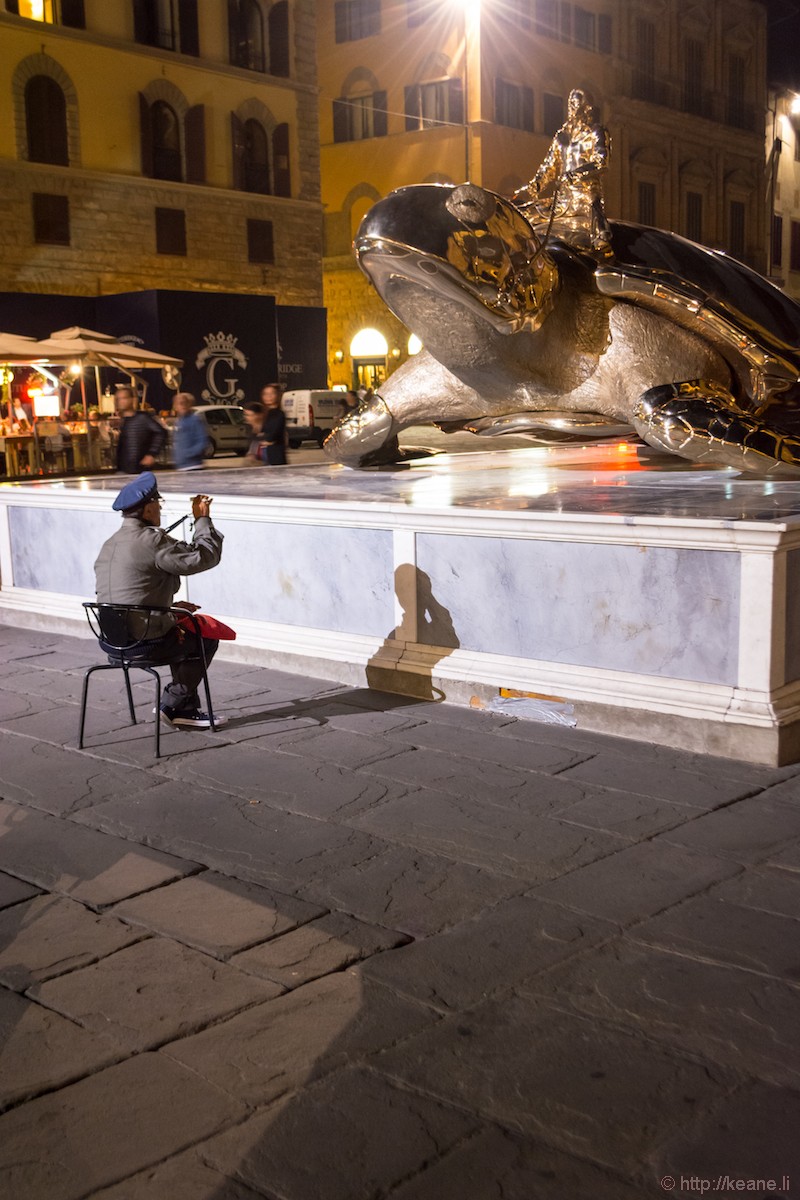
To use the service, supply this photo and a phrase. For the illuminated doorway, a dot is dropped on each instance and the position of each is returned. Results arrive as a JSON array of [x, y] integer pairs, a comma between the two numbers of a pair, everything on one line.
[[369, 350]]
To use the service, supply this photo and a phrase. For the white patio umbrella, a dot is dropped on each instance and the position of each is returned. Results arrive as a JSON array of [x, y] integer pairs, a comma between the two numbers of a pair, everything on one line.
[[90, 348]]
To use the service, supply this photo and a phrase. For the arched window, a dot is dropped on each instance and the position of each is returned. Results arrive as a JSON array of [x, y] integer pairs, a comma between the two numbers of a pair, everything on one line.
[[256, 157], [166, 134], [46, 121], [246, 29]]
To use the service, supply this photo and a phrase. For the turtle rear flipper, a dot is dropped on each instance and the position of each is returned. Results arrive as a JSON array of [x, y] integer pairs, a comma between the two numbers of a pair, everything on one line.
[[701, 420]]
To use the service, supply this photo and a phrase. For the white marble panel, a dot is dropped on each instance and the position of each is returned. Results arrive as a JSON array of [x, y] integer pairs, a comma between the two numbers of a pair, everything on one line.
[[53, 549], [652, 610], [339, 579], [792, 615]]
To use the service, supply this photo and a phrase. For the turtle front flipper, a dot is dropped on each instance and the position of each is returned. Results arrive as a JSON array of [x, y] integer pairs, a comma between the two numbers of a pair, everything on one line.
[[700, 420], [366, 436]]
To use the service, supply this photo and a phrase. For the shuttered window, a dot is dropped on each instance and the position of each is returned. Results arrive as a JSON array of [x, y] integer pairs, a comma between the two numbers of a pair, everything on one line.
[[50, 219], [260, 241], [46, 121], [171, 231]]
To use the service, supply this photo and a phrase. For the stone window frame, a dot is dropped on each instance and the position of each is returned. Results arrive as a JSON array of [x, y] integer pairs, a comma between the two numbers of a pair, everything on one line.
[[252, 109], [162, 89], [43, 64]]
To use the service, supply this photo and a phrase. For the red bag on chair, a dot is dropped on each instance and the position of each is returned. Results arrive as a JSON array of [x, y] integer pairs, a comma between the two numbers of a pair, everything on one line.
[[210, 627]]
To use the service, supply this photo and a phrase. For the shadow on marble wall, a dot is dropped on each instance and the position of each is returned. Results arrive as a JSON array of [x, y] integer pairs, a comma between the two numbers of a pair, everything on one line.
[[427, 627]]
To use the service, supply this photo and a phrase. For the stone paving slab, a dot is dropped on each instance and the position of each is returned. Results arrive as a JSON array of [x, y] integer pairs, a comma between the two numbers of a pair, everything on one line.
[[527, 845], [787, 858], [40, 1051], [13, 705], [496, 1165], [65, 857], [704, 790], [766, 889], [106, 724], [726, 933], [751, 1135], [216, 914], [623, 813], [451, 773], [349, 1138], [648, 755], [241, 837], [97, 1131], [61, 686], [325, 945], [287, 781], [482, 745], [746, 832], [497, 949], [745, 1022], [14, 891], [57, 780], [151, 993], [339, 747], [412, 891], [183, 1177], [50, 935], [582, 1086], [638, 881], [277, 1047]]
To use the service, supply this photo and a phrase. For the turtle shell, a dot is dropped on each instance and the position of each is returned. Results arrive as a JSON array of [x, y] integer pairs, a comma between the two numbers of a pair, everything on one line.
[[709, 292]]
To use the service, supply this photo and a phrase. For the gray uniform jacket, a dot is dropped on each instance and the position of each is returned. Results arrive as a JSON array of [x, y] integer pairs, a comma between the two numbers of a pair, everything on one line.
[[143, 565]]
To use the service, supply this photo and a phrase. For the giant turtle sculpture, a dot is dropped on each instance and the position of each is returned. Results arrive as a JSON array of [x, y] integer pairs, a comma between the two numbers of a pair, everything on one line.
[[524, 332]]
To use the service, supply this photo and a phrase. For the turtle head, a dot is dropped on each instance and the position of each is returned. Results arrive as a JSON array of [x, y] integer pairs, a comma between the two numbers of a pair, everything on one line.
[[463, 244]]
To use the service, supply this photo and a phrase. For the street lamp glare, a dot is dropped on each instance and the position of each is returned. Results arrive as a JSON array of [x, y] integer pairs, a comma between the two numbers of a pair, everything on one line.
[[794, 105]]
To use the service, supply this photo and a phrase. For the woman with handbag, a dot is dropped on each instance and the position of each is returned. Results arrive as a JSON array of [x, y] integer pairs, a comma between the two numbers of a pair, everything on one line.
[[268, 423]]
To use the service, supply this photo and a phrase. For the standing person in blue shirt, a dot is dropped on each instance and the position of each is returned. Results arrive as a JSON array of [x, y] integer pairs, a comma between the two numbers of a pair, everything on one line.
[[190, 439]]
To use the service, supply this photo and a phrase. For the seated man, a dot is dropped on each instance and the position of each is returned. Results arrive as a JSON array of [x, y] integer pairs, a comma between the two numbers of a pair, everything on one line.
[[141, 564]]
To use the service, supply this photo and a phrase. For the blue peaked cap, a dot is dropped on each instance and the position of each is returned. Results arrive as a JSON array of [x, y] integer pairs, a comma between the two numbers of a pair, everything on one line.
[[143, 489]]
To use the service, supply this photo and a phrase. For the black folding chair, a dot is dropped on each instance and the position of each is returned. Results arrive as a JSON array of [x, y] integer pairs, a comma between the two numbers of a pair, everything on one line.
[[127, 651]]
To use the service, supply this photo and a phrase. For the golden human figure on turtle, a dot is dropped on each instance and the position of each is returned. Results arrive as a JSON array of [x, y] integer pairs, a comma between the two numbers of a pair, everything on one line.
[[567, 189]]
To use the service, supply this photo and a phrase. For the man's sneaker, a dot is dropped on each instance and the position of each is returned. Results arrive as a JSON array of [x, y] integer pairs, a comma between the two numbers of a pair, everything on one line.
[[190, 720]]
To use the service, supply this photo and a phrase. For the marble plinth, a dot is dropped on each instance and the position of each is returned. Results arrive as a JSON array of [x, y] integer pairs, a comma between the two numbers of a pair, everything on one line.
[[658, 599]]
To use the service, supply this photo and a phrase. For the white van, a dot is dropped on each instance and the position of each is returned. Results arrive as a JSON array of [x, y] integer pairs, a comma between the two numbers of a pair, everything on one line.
[[311, 415]]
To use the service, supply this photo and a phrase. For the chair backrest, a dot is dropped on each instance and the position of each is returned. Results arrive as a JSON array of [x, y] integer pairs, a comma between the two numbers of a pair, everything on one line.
[[114, 624]]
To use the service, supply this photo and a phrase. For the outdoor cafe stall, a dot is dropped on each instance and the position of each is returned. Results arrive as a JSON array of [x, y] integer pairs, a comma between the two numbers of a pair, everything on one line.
[[45, 437]]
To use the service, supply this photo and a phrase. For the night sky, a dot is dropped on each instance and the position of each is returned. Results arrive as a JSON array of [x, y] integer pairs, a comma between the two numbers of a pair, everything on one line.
[[783, 18]]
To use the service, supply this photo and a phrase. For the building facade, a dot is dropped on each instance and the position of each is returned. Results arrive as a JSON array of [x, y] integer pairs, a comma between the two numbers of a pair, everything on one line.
[[416, 91], [160, 144], [783, 189]]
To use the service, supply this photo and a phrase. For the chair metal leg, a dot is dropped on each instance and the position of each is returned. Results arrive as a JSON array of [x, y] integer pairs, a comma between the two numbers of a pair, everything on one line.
[[126, 670], [158, 713], [84, 696]]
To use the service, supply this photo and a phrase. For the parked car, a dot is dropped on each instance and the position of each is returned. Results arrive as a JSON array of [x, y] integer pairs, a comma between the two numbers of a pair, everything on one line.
[[227, 430], [311, 414]]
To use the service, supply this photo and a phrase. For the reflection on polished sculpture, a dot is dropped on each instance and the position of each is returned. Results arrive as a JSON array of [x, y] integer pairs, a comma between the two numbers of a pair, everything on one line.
[[539, 327], [567, 189]]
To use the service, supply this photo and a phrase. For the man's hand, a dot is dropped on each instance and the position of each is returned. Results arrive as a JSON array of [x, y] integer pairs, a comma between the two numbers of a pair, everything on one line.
[[186, 605], [201, 506], [147, 461]]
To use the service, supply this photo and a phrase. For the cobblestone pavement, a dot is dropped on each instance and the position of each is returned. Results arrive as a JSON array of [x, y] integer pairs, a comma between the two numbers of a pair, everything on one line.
[[354, 946]]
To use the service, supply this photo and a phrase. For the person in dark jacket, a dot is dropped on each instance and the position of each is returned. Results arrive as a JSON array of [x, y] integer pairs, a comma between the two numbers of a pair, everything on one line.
[[141, 437], [268, 423]]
